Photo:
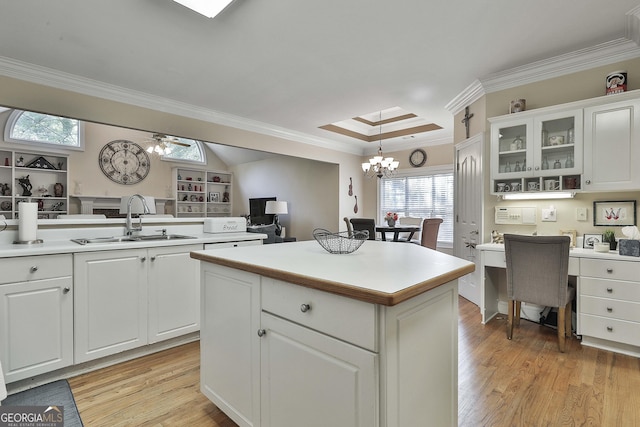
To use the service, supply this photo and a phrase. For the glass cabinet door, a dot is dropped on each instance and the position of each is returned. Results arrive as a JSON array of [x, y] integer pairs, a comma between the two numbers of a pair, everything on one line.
[[513, 147], [559, 150]]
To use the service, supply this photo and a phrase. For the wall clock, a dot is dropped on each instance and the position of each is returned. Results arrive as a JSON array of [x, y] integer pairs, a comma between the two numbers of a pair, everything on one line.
[[418, 158], [124, 162]]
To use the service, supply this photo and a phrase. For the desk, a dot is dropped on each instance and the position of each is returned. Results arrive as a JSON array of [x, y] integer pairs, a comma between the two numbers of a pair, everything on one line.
[[396, 230], [607, 295]]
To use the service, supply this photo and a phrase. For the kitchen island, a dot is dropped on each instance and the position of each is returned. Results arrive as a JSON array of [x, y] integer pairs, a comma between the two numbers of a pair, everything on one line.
[[292, 335]]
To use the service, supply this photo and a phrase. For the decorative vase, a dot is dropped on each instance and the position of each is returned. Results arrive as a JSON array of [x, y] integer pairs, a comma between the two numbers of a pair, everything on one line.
[[391, 222]]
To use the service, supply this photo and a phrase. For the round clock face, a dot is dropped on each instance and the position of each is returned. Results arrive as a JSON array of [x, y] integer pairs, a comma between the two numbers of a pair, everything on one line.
[[124, 162], [418, 158]]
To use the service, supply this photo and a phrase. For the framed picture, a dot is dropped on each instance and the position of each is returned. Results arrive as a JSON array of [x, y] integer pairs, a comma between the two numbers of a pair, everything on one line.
[[614, 213], [214, 197], [572, 236], [591, 239]]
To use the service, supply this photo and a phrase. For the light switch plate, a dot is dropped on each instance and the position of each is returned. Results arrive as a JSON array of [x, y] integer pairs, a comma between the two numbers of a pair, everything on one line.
[[549, 215], [581, 214]]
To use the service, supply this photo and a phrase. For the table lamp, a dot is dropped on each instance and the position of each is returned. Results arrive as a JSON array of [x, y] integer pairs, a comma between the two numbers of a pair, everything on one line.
[[276, 208]]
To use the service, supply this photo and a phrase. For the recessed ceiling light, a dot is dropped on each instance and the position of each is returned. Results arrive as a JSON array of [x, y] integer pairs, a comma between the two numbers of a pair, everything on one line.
[[208, 8]]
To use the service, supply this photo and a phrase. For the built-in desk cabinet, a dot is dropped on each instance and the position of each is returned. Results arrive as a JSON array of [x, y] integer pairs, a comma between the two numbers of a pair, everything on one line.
[[611, 149], [36, 315]]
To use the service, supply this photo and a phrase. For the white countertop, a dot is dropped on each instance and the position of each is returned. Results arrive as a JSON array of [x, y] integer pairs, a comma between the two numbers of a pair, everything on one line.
[[573, 252], [380, 272]]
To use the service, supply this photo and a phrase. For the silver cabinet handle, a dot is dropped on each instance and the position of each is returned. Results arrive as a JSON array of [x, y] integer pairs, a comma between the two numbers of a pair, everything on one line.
[[609, 270], [153, 258], [66, 290], [609, 290], [34, 268], [305, 307], [143, 259], [261, 332], [588, 181], [609, 309], [537, 168], [609, 329]]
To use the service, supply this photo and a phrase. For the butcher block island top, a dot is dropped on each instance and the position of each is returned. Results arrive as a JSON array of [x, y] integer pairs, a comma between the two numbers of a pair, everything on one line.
[[379, 272]]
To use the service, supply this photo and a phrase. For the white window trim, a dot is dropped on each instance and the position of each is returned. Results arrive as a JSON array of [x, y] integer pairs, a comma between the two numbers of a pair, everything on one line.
[[43, 146], [424, 171]]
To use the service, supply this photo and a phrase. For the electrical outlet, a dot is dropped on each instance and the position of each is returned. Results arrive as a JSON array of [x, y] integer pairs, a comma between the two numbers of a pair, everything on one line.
[[581, 214], [549, 215]]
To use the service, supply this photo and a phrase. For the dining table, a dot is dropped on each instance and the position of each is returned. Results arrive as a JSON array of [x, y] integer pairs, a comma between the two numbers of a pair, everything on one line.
[[396, 230]]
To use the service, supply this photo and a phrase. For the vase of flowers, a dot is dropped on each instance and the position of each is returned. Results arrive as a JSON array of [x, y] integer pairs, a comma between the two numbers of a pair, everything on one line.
[[391, 218]]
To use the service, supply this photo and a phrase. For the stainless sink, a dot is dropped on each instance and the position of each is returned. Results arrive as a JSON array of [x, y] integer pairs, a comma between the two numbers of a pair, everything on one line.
[[124, 239]]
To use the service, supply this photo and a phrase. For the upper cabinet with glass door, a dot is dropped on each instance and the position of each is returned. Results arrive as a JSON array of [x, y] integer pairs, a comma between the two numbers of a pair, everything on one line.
[[530, 146]]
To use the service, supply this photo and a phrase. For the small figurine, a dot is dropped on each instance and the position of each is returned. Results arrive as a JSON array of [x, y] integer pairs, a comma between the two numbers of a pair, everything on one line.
[[26, 185], [20, 162]]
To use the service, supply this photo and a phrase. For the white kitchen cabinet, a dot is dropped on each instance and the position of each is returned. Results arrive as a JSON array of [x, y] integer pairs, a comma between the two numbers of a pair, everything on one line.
[[36, 315], [130, 298], [280, 354], [174, 292], [611, 147], [531, 147], [110, 302]]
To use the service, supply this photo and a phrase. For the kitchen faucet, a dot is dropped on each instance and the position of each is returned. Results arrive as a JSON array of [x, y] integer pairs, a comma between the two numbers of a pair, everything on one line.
[[129, 225]]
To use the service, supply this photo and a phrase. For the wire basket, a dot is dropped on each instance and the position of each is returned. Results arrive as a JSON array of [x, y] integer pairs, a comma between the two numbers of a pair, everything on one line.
[[341, 242]]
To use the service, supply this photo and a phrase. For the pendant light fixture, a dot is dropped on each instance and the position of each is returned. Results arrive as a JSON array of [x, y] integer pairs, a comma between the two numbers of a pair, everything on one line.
[[379, 165]]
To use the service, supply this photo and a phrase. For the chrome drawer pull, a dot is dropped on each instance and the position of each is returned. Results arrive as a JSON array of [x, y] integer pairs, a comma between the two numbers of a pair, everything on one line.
[[66, 290], [610, 290], [305, 307], [34, 269], [261, 332], [609, 270], [609, 328], [609, 309]]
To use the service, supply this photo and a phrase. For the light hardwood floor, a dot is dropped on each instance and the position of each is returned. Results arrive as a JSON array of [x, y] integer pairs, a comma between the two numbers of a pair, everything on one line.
[[523, 382]]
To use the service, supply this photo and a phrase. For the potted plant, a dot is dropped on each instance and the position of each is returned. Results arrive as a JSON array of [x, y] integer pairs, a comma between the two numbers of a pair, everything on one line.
[[391, 218], [610, 236]]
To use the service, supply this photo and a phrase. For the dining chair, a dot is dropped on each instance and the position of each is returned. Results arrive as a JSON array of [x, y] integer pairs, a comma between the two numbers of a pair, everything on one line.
[[430, 228], [368, 224], [409, 220], [349, 228], [538, 273]]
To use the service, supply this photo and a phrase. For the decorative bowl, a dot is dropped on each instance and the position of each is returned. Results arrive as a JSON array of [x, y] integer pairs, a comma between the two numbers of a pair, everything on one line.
[[341, 242]]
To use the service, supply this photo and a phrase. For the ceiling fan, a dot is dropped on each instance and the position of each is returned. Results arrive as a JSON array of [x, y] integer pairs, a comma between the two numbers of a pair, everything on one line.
[[162, 143]]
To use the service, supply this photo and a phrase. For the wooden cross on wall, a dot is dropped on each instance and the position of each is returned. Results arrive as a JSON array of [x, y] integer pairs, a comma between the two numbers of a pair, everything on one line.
[[466, 119]]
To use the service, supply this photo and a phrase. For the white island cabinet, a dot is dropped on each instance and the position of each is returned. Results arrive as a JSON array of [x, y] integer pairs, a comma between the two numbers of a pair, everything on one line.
[[292, 335]]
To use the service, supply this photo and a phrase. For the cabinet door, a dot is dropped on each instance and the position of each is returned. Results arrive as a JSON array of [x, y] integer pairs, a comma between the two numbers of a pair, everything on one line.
[[110, 302], [174, 292], [310, 379], [611, 147], [512, 149], [36, 327], [229, 343], [559, 142]]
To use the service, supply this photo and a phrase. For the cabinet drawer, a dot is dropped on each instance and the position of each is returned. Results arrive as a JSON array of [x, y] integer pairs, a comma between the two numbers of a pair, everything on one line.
[[340, 317], [23, 269], [612, 308], [617, 289], [610, 329], [610, 269], [494, 259]]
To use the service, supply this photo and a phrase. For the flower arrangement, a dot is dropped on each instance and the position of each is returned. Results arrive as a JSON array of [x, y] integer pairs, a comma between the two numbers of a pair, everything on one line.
[[391, 215]]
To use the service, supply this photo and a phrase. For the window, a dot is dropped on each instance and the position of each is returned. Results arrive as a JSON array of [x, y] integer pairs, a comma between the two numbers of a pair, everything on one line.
[[192, 152], [429, 195], [27, 127]]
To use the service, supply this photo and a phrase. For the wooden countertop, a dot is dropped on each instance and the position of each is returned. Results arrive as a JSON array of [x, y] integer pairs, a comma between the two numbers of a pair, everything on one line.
[[379, 272]]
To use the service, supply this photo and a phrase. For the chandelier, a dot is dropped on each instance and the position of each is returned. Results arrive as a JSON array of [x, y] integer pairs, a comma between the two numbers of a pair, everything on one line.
[[379, 165]]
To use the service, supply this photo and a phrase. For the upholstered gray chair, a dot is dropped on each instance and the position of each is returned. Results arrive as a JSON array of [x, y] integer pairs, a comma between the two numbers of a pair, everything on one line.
[[368, 224], [538, 273], [430, 228], [349, 228]]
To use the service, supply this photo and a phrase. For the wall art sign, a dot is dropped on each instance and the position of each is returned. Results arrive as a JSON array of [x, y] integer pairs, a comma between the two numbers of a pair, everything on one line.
[[614, 213]]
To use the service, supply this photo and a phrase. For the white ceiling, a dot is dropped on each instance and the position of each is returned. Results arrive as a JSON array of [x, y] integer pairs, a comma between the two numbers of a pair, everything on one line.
[[295, 65]]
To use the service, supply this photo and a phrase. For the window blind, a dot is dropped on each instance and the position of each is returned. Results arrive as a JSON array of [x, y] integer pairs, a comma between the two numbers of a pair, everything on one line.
[[424, 196]]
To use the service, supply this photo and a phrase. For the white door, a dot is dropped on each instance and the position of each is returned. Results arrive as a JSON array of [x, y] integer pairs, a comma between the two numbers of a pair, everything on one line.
[[468, 210]]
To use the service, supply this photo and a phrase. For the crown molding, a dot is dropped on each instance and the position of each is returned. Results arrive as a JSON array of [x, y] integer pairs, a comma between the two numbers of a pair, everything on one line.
[[603, 54], [472, 93], [53, 78]]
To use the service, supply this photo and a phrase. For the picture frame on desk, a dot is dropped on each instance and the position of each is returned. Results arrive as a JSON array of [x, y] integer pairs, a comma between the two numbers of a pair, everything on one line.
[[614, 213], [572, 236], [214, 197], [589, 240]]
